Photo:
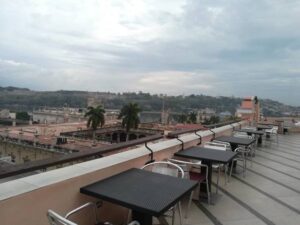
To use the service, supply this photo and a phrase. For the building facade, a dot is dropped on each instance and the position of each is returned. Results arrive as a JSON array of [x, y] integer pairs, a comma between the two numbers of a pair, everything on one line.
[[249, 109]]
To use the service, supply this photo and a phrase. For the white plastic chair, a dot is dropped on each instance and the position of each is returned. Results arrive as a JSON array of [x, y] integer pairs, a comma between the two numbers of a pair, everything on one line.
[[273, 132], [242, 156], [221, 146], [250, 148], [171, 169], [188, 167]]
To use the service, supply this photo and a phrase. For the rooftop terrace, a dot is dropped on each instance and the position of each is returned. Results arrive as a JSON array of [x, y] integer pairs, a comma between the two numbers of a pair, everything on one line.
[[269, 194]]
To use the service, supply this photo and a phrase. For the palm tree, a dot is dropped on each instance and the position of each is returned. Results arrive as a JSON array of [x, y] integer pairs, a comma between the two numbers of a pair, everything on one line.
[[182, 118], [130, 118], [95, 118], [193, 117]]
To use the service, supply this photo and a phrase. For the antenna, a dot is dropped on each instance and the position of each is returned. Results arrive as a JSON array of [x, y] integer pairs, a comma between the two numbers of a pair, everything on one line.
[[163, 104]]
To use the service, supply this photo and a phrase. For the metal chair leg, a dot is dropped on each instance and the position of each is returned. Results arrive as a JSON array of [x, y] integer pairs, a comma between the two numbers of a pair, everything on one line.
[[129, 216], [179, 212], [226, 175], [173, 215], [208, 193], [219, 171], [245, 166], [251, 156], [230, 171], [189, 204]]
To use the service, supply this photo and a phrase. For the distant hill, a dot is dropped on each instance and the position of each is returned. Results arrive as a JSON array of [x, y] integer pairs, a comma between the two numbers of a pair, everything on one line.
[[13, 89], [23, 99]]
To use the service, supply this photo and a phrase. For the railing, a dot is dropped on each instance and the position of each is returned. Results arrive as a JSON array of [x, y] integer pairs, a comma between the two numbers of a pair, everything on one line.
[[105, 130], [89, 131], [58, 160], [221, 124], [175, 134]]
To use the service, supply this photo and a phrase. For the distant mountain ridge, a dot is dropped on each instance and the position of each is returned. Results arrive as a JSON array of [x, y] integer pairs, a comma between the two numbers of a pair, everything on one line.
[[10, 88], [24, 99]]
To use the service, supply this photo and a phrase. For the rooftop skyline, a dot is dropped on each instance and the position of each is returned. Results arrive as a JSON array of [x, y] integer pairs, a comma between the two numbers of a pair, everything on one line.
[[173, 46]]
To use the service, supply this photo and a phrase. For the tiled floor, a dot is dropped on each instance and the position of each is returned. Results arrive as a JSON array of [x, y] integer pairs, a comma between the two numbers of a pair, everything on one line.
[[269, 194]]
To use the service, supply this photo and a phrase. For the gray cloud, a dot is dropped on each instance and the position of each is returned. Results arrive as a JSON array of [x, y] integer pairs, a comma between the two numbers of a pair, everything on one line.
[[216, 47]]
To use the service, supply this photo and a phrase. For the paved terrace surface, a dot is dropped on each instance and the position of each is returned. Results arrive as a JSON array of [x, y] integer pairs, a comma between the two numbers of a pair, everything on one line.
[[269, 194]]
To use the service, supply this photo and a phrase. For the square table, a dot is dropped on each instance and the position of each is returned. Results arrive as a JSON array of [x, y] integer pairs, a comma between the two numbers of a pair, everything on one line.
[[268, 124], [250, 131], [208, 156], [146, 193], [258, 133], [235, 141], [263, 127]]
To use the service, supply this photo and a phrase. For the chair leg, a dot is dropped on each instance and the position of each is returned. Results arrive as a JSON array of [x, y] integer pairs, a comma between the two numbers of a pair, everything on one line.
[[179, 212], [251, 156], [232, 162], [225, 175], [189, 204], [218, 178], [129, 216], [245, 166], [173, 214], [208, 193]]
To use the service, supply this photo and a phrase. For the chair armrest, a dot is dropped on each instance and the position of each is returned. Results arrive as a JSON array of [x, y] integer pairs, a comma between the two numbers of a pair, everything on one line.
[[241, 150], [88, 204]]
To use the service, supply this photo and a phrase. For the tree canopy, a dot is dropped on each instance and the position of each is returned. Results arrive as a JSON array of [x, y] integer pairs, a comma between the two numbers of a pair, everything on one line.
[[130, 116], [95, 117], [192, 117]]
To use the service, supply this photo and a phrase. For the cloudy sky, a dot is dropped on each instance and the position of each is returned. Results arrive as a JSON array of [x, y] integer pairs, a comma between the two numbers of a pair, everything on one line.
[[219, 47]]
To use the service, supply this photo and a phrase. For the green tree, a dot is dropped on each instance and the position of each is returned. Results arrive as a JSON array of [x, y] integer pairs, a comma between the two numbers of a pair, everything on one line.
[[95, 118], [211, 120], [130, 117], [182, 118], [214, 119], [230, 118], [192, 117], [22, 116]]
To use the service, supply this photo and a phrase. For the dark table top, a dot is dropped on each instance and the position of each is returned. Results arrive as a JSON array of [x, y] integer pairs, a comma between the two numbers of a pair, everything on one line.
[[267, 124], [264, 127], [249, 131], [208, 154], [236, 140], [141, 190]]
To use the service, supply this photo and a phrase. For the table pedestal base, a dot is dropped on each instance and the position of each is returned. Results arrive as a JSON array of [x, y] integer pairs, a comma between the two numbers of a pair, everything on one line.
[[143, 219]]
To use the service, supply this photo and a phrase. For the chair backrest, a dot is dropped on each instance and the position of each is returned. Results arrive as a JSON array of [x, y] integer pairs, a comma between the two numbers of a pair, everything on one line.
[[215, 146], [189, 166], [227, 144], [242, 135], [275, 129], [250, 128], [56, 219], [242, 152], [166, 168]]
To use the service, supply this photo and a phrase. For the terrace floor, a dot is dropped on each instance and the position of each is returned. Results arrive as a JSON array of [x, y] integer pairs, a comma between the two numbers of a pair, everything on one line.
[[269, 194]]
